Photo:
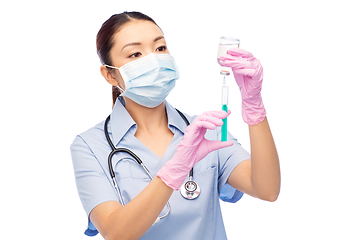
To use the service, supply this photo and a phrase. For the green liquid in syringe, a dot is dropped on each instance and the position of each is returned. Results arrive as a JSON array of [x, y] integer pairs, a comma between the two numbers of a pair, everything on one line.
[[224, 126]]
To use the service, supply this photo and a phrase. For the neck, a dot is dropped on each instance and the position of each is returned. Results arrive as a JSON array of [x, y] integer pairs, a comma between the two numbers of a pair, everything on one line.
[[147, 119]]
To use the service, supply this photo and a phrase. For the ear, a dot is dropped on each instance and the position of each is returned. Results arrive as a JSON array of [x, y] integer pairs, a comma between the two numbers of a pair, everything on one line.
[[109, 75]]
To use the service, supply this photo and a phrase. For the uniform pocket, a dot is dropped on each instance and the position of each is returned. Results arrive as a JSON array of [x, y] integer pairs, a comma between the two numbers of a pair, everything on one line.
[[197, 215], [131, 178]]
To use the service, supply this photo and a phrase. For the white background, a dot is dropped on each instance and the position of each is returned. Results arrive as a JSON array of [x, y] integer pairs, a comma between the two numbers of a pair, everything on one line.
[[51, 90]]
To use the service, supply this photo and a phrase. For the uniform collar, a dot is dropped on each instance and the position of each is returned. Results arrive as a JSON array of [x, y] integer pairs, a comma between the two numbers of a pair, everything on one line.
[[174, 118], [121, 121]]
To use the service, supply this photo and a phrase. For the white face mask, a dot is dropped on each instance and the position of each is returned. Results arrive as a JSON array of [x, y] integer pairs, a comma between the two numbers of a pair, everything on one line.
[[150, 79]]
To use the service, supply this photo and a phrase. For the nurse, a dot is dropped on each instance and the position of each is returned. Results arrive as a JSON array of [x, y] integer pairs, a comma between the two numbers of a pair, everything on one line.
[[137, 63]]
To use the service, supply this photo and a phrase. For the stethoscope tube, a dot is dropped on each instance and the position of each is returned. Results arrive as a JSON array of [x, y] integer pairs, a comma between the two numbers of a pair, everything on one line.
[[139, 161], [190, 190], [187, 123]]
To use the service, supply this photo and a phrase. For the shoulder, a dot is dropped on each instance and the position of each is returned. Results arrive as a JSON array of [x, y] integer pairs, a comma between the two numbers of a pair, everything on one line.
[[94, 131], [90, 148], [91, 135]]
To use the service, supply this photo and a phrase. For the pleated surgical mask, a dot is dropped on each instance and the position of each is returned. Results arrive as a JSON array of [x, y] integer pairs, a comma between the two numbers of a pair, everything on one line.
[[150, 79]]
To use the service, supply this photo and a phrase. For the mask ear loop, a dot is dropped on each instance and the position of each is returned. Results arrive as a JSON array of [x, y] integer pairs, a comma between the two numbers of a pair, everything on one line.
[[110, 66], [122, 90]]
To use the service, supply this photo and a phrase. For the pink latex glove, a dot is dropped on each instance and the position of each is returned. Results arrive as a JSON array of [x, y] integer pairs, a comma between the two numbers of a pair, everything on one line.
[[192, 148], [248, 73]]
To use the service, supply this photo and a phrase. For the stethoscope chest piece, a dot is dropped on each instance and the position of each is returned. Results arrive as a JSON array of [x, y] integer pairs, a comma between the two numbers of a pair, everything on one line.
[[190, 190]]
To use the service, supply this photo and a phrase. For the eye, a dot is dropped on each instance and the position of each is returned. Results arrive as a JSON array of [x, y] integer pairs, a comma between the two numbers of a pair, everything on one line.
[[135, 55], [161, 49]]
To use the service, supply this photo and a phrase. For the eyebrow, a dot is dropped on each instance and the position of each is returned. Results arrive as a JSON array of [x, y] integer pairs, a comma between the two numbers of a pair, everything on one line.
[[138, 43]]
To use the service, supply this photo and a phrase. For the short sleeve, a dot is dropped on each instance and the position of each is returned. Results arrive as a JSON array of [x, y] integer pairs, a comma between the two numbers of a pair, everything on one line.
[[229, 158], [93, 185]]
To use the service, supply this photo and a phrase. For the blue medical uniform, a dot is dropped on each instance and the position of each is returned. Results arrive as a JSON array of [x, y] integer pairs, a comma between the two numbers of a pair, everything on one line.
[[189, 219]]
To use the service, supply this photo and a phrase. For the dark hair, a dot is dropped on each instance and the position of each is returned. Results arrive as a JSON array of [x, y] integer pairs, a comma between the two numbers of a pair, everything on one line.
[[105, 40]]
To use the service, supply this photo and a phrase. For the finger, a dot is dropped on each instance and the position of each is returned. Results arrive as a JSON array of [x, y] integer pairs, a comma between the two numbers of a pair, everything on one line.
[[209, 120], [217, 114], [206, 125], [204, 122], [228, 112], [237, 64], [232, 58], [216, 145], [238, 52], [245, 72]]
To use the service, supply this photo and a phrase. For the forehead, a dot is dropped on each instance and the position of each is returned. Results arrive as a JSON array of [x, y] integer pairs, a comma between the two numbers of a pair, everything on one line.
[[136, 31]]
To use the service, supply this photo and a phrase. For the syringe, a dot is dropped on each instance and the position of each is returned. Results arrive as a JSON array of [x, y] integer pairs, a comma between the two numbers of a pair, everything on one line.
[[225, 44], [224, 102]]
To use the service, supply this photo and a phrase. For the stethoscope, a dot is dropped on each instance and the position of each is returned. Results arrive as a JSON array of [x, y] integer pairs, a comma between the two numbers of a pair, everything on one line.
[[189, 190]]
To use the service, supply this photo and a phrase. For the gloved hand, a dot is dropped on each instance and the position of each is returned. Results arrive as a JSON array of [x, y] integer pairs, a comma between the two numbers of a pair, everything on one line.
[[248, 73], [192, 148]]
